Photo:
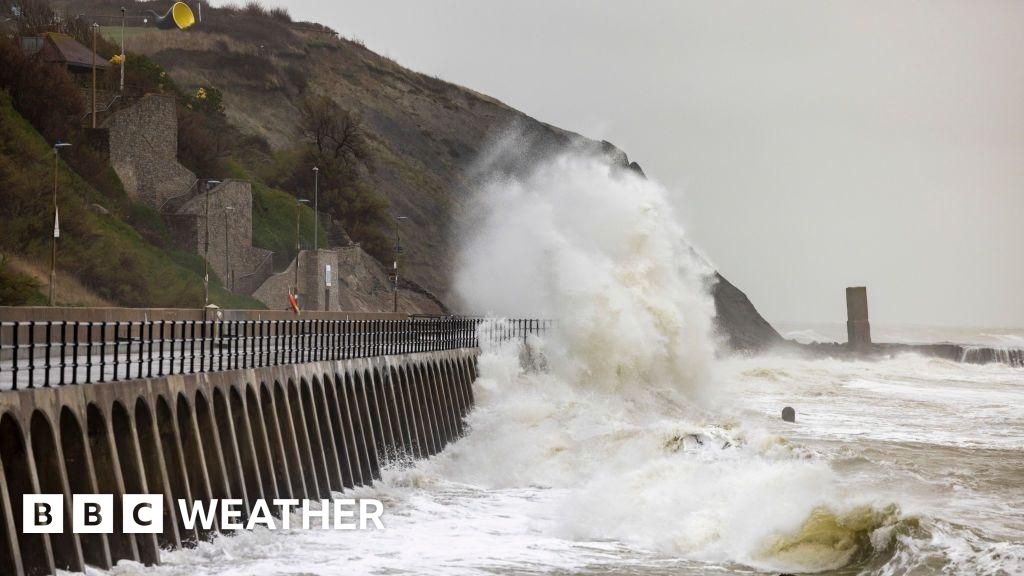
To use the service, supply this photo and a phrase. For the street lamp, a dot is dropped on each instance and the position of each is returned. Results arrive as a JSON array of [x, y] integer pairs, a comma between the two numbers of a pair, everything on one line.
[[298, 247], [123, 10], [206, 248], [316, 207], [95, 28], [56, 218], [398, 251], [227, 250]]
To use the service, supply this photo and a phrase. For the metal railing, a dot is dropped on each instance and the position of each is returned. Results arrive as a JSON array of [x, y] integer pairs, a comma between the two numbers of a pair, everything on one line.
[[251, 282], [57, 353]]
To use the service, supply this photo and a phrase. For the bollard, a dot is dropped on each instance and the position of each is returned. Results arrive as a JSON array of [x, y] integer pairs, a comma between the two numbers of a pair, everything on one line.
[[788, 414]]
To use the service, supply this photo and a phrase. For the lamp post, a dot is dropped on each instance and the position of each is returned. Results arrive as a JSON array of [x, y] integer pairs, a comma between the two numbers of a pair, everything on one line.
[[95, 29], [298, 246], [316, 208], [206, 247], [56, 219], [123, 9], [227, 249], [398, 251]]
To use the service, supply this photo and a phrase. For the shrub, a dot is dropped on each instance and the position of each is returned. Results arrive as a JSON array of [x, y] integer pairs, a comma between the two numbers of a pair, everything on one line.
[[344, 196], [43, 93], [17, 289], [280, 13], [254, 8], [202, 141]]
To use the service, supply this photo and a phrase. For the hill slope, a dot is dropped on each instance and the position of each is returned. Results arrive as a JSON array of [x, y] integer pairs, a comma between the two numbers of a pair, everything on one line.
[[422, 134]]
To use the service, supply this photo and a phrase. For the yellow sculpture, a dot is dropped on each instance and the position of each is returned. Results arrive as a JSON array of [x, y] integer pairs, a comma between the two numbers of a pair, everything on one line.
[[179, 16]]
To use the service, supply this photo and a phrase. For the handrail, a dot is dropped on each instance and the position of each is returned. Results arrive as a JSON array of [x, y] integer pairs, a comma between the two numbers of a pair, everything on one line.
[[187, 195], [264, 268], [57, 353]]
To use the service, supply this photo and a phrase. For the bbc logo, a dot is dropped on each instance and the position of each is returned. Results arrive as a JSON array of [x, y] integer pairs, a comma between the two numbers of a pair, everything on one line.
[[92, 514]]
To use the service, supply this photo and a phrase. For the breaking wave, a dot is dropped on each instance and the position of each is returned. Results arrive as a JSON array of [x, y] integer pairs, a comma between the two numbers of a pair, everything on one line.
[[627, 416]]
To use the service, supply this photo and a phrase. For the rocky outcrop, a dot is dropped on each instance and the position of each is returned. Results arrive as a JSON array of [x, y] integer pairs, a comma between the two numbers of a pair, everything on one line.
[[738, 323]]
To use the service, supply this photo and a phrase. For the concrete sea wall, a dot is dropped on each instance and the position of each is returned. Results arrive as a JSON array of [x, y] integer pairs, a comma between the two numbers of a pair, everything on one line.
[[292, 431]]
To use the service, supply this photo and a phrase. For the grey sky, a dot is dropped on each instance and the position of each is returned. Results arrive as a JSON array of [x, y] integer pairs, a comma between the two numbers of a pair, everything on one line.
[[811, 145]]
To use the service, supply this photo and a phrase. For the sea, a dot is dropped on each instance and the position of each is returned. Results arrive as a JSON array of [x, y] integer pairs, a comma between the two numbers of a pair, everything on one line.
[[627, 441], [906, 465]]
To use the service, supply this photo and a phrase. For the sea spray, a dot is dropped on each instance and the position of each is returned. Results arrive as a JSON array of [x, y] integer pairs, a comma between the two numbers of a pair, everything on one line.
[[598, 247], [630, 377]]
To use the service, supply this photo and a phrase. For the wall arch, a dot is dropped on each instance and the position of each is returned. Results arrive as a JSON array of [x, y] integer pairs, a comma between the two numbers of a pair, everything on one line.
[[396, 405], [414, 431], [260, 442], [309, 466], [19, 471], [316, 448], [226, 433], [126, 443], [81, 480], [192, 456], [279, 462], [246, 448], [211, 442], [426, 387], [170, 446], [330, 450], [387, 435], [67, 553], [444, 414], [367, 424], [350, 421], [342, 445], [155, 472], [290, 442], [108, 480], [421, 401]]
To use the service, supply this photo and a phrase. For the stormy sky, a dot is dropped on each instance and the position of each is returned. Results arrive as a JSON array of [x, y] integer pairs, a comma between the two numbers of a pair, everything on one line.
[[809, 145]]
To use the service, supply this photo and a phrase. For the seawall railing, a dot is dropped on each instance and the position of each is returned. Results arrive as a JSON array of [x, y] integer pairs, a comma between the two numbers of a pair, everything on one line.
[[241, 409], [57, 353]]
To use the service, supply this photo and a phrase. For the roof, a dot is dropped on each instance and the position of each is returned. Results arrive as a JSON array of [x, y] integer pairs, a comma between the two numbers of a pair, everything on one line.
[[64, 49]]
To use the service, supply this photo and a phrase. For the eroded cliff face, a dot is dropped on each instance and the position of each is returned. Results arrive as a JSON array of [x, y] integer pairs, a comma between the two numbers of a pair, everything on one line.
[[425, 135], [739, 323]]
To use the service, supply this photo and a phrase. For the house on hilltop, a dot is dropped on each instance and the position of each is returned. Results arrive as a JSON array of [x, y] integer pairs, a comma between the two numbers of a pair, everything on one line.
[[58, 48]]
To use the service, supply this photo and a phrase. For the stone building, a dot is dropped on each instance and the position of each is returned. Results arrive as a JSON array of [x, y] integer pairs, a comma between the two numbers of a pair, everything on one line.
[[142, 143], [143, 148], [241, 266]]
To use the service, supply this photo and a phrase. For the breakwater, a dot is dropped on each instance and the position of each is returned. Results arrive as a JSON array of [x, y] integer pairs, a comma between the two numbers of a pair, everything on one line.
[[199, 410]]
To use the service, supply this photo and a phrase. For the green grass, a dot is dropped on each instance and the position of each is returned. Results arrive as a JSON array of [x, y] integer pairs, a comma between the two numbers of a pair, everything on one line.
[[113, 33], [106, 254]]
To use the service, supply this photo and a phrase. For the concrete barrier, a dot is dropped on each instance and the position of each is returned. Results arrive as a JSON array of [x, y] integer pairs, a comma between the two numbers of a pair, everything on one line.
[[302, 431]]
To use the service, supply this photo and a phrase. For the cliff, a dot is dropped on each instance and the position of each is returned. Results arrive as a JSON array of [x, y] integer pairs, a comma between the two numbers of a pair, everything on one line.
[[423, 134]]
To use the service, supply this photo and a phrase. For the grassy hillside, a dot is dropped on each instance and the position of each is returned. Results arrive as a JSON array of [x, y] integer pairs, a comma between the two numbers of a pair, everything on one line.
[[422, 134], [101, 251]]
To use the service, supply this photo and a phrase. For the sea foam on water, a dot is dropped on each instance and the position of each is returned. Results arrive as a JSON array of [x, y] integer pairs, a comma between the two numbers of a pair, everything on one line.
[[631, 376]]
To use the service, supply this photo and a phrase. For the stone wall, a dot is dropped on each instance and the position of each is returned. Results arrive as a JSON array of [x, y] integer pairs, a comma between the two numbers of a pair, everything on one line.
[[230, 230], [143, 145], [359, 283]]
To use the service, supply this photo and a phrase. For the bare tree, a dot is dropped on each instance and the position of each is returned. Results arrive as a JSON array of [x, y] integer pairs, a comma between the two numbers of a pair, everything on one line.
[[32, 16], [337, 132]]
